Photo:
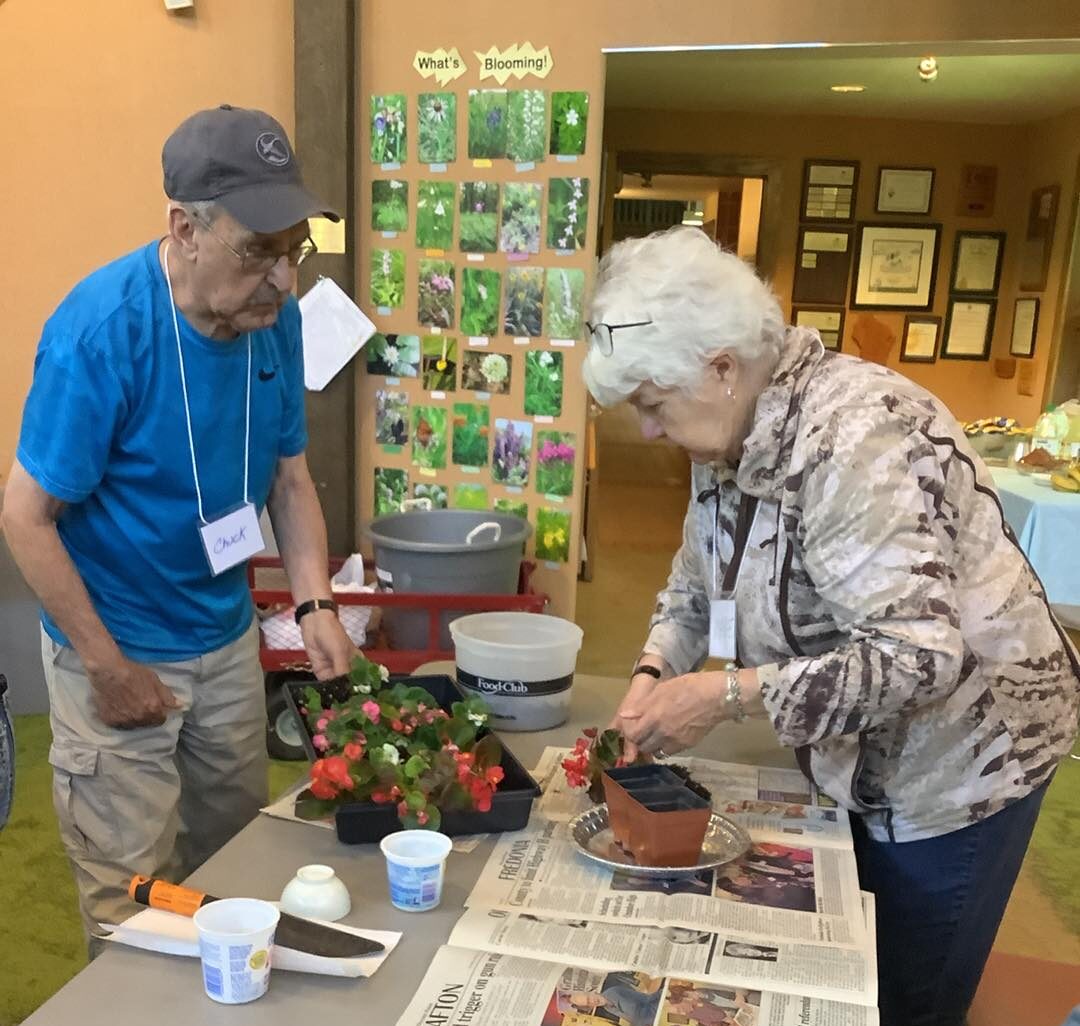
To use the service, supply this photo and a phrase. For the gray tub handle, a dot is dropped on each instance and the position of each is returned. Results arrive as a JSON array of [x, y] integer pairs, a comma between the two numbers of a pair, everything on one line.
[[483, 527]]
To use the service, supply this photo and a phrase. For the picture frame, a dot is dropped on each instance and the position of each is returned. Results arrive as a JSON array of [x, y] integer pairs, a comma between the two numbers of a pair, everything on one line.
[[822, 265], [969, 328], [829, 191], [905, 190], [1025, 326], [922, 337], [1039, 239], [895, 266], [978, 190], [827, 320], [976, 267]]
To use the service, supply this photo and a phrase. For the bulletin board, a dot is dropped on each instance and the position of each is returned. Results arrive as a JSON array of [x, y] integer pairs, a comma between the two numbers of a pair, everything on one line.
[[476, 215]]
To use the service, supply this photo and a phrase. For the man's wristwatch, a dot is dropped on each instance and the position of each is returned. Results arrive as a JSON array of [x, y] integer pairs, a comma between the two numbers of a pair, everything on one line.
[[652, 671], [311, 605]]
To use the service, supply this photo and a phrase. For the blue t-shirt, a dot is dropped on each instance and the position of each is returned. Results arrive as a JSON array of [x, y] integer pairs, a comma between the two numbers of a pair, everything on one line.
[[104, 431]]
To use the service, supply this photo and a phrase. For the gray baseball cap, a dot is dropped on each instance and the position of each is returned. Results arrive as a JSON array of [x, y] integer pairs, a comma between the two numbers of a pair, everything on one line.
[[241, 159]]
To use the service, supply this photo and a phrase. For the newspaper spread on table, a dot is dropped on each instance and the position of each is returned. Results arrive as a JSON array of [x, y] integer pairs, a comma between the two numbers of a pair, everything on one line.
[[463, 987], [549, 938], [787, 887]]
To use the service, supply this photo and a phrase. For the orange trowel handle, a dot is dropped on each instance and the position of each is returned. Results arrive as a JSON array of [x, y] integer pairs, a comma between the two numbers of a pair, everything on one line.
[[170, 897]]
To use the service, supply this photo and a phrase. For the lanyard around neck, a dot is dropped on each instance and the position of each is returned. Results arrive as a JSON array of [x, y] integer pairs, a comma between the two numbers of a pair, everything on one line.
[[187, 407], [744, 525]]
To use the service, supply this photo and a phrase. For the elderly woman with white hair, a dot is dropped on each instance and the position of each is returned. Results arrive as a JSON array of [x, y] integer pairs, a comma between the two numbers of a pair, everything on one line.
[[844, 550]]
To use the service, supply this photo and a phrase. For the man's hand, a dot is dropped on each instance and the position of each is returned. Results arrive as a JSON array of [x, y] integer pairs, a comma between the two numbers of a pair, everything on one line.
[[128, 695], [675, 714], [329, 648]]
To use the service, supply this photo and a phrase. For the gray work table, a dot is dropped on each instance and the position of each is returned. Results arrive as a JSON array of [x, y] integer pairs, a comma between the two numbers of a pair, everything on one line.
[[125, 985]]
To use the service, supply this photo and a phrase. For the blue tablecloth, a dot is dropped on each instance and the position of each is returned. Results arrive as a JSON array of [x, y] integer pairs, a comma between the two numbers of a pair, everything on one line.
[[1047, 524]]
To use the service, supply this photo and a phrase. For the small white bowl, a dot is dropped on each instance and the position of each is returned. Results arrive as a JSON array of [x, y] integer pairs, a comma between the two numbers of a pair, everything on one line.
[[317, 893]]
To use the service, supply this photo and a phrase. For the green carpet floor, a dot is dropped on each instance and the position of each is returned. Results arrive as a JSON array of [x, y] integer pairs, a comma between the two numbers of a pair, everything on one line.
[[41, 940]]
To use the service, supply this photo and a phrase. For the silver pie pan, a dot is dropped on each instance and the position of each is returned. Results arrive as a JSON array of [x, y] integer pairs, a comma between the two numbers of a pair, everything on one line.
[[725, 841]]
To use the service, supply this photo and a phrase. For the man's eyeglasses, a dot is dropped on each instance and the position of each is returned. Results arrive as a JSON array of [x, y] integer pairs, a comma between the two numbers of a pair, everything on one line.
[[601, 334], [258, 260]]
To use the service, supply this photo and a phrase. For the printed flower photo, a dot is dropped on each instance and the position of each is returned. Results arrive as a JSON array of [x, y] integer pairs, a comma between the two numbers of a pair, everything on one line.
[[429, 437], [552, 535], [555, 462], [479, 209], [568, 212], [389, 205], [512, 507], [510, 453], [437, 134], [470, 496], [543, 383], [526, 131], [469, 439], [521, 217], [388, 128], [485, 372], [387, 278], [480, 301], [569, 121], [564, 301], [390, 490], [435, 215], [393, 356], [438, 363], [435, 494], [437, 298], [391, 417], [487, 124], [524, 316]]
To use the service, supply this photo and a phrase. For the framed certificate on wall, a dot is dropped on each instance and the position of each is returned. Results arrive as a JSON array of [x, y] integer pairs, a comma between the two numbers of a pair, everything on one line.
[[922, 332], [905, 190], [969, 327], [1025, 326], [977, 262], [829, 323]]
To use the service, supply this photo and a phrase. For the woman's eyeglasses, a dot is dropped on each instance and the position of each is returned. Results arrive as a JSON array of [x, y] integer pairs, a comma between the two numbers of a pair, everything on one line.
[[601, 334]]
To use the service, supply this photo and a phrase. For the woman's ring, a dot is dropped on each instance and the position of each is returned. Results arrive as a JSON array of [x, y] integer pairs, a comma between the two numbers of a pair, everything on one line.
[[659, 754]]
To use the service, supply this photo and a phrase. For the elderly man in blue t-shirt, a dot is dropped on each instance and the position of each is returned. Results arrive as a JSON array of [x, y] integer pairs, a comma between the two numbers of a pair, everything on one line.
[[166, 410]]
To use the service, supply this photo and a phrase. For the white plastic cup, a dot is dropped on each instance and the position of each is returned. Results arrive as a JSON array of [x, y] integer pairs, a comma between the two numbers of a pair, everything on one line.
[[415, 865], [235, 940]]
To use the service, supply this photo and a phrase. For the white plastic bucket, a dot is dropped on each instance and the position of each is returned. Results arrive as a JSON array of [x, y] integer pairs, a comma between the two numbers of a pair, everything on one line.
[[521, 664], [235, 939], [415, 866]]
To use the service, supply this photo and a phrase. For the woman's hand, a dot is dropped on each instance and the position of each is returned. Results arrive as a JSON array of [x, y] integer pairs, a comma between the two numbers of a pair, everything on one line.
[[630, 708], [674, 714]]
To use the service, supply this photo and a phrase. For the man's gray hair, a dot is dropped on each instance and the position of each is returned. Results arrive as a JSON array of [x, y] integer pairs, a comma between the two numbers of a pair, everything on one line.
[[700, 301], [206, 211]]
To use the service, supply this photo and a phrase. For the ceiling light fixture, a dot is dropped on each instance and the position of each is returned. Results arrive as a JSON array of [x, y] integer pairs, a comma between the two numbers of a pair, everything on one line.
[[928, 69], [848, 88]]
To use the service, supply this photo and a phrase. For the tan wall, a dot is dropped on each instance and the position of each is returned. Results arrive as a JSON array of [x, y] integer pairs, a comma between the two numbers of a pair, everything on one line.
[[1026, 157], [90, 91]]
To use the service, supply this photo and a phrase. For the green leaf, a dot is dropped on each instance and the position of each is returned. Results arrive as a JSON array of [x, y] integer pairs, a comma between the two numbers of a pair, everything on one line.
[[415, 766], [312, 700], [415, 800]]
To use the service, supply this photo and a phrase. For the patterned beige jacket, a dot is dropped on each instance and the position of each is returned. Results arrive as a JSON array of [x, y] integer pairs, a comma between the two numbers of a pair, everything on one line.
[[902, 640]]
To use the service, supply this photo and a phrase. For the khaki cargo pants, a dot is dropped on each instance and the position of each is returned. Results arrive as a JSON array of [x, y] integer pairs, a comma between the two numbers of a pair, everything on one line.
[[154, 800]]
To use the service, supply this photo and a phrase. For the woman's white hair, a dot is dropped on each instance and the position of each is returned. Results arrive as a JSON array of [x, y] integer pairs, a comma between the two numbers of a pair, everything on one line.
[[699, 299]]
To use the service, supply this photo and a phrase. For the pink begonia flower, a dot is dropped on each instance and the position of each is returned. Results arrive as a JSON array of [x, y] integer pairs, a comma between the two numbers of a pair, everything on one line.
[[371, 711], [322, 723], [320, 742]]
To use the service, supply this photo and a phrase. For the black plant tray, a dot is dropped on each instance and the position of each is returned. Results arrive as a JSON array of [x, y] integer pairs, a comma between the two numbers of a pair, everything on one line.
[[367, 823]]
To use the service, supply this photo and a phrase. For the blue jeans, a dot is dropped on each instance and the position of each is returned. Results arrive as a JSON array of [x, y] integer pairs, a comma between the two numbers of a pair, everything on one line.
[[7, 755], [939, 905]]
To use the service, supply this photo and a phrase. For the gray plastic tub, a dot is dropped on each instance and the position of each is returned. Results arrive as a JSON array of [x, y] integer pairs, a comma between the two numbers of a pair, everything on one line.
[[444, 551]]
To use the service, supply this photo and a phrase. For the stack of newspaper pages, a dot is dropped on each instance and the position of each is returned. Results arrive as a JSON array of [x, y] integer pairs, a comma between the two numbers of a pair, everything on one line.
[[782, 937]]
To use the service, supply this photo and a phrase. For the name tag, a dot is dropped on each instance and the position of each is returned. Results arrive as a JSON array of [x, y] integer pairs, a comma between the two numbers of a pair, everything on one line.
[[232, 538], [722, 643]]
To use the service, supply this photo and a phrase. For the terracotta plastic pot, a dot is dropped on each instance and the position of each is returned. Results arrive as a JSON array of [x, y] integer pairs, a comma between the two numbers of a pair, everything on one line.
[[620, 784], [667, 827]]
